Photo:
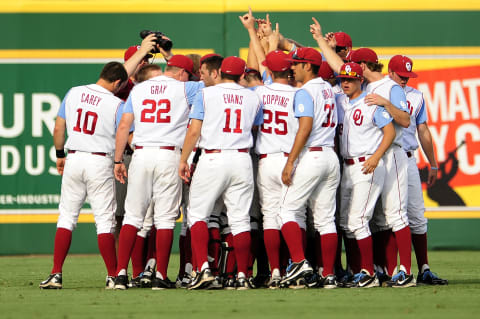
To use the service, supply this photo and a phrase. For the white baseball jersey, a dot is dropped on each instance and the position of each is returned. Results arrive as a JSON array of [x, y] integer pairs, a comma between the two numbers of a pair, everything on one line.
[[361, 133], [160, 107], [324, 113], [228, 112], [390, 90], [418, 115], [280, 126], [90, 112]]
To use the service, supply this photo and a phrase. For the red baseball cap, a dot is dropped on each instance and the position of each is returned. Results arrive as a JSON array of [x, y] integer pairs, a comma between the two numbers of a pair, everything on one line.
[[181, 61], [277, 61], [402, 65], [364, 55], [325, 71], [233, 65], [351, 70], [207, 56], [349, 55], [306, 55], [343, 39], [131, 51]]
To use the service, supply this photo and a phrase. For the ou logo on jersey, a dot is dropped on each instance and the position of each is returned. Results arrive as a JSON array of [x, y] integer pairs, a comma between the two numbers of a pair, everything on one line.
[[357, 117]]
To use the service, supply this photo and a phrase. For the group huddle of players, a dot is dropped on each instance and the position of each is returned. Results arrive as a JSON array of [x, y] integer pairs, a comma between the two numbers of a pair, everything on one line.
[[275, 160]]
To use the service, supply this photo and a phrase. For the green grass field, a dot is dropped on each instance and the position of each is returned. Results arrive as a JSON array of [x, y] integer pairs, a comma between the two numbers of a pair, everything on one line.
[[84, 296]]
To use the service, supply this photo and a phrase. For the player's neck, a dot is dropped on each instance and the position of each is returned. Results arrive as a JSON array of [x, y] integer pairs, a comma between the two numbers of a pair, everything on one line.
[[106, 85], [373, 76], [309, 76], [280, 80], [355, 94], [227, 81]]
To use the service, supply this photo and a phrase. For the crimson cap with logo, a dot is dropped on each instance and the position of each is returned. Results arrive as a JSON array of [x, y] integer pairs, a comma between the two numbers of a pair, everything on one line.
[[131, 51], [233, 65], [181, 61], [402, 65], [343, 39], [350, 70], [364, 55], [277, 61], [306, 55], [325, 71]]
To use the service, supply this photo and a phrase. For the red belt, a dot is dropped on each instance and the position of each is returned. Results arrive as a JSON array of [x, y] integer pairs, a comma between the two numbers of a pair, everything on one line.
[[409, 154], [241, 150], [351, 161], [170, 148], [265, 155], [94, 153], [315, 149]]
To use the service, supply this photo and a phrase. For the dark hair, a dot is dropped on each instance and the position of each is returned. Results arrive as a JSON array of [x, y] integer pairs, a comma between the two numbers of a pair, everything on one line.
[[315, 68], [231, 77], [142, 74], [281, 74], [113, 71], [374, 67], [213, 63]]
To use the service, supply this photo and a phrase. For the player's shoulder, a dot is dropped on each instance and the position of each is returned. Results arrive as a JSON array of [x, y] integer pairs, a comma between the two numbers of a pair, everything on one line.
[[412, 91], [277, 87]]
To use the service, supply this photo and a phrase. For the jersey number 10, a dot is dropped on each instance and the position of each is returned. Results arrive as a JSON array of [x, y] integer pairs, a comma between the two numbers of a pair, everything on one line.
[[89, 122]]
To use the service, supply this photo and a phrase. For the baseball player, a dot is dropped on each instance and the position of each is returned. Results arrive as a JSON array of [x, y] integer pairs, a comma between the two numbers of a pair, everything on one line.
[[365, 135], [222, 119], [159, 109], [385, 92], [89, 114], [274, 141], [311, 173], [400, 70]]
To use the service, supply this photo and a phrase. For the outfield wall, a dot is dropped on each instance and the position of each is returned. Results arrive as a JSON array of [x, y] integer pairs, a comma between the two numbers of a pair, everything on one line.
[[49, 46]]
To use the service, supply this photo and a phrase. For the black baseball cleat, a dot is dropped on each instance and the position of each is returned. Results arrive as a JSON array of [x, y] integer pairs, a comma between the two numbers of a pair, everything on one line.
[[146, 277], [312, 280], [364, 280], [110, 282], [53, 281], [429, 278], [328, 282], [135, 283], [229, 283], [243, 283], [297, 270], [402, 280], [201, 280], [161, 284], [121, 282]]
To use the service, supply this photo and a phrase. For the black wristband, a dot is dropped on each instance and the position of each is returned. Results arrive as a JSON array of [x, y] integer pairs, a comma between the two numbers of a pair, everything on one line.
[[60, 153], [119, 162]]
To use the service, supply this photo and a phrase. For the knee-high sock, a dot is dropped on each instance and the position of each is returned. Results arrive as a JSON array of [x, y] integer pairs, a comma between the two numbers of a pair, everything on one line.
[[138, 256], [366, 254], [318, 250], [231, 260], [329, 251], [151, 243], [404, 242], [106, 246], [353, 255], [163, 249], [293, 237], [63, 239], [391, 252], [420, 245], [199, 233], [241, 244], [271, 237], [125, 246], [214, 249]]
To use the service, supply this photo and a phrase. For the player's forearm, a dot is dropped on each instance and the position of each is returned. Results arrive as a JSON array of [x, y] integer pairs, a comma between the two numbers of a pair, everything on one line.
[[426, 141], [191, 138], [59, 133], [257, 48], [330, 55], [304, 129], [387, 140], [120, 142], [400, 117], [252, 57]]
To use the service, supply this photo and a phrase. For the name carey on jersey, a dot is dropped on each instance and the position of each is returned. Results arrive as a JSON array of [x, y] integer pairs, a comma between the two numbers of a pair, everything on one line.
[[90, 99], [233, 99], [270, 99]]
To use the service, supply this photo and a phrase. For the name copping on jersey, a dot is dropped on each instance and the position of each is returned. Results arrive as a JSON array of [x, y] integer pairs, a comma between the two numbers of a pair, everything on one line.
[[233, 99], [272, 99], [90, 99], [158, 89]]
